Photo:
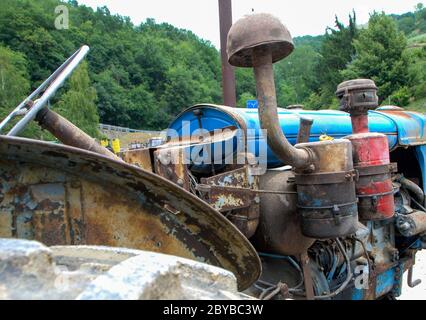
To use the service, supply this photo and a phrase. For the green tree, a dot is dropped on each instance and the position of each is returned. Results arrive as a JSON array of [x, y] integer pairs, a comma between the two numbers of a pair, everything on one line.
[[144, 111], [14, 84], [401, 97], [126, 61], [14, 87], [146, 74], [295, 74], [420, 17], [286, 95], [407, 24], [336, 52], [246, 96], [112, 100], [78, 104], [380, 55], [245, 84], [417, 72]]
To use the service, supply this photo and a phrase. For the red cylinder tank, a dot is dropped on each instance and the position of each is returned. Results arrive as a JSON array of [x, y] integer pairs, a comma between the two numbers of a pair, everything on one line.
[[370, 151], [374, 186]]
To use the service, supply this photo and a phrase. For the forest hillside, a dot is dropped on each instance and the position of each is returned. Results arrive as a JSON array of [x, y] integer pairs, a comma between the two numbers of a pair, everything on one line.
[[141, 76]]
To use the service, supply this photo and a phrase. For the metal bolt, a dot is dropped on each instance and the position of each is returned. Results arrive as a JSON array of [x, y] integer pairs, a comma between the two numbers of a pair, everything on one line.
[[169, 172]]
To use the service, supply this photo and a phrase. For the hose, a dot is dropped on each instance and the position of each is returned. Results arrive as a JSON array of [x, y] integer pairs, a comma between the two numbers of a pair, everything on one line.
[[293, 263], [277, 288], [348, 277], [419, 205], [273, 290], [414, 188]]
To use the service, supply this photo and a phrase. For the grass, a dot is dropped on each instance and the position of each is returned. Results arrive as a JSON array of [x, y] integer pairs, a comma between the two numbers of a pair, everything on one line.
[[421, 38], [417, 41], [418, 105], [139, 137]]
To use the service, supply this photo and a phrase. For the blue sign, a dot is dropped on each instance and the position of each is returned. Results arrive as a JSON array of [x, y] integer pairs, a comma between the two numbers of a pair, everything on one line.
[[252, 104]]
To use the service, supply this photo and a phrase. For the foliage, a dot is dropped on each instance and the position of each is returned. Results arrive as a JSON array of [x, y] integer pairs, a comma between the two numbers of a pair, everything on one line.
[[412, 23], [246, 96], [401, 97], [14, 87], [417, 72], [295, 75], [336, 52], [144, 75], [78, 104], [380, 55], [141, 76], [13, 79]]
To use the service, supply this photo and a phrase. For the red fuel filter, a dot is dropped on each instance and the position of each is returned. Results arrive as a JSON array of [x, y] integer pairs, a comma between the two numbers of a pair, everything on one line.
[[374, 186], [370, 152]]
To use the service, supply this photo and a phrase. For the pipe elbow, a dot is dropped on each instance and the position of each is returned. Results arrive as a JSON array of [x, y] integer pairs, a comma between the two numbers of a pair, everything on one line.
[[268, 116], [300, 158]]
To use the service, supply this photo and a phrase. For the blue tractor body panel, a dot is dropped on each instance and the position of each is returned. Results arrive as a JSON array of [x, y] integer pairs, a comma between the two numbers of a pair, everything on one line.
[[403, 128]]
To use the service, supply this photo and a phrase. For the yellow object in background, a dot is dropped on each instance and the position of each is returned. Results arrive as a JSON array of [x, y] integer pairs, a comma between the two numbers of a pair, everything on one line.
[[116, 148], [104, 143], [324, 137]]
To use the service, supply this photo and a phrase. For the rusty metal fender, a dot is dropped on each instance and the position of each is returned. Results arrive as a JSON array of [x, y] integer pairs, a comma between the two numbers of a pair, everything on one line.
[[63, 195]]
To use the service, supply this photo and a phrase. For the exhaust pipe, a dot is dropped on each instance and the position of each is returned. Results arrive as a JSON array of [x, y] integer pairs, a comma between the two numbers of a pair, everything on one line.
[[69, 134], [258, 41]]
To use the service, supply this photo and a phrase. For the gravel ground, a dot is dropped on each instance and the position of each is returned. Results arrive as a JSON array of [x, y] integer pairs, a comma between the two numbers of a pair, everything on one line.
[[419, 292]]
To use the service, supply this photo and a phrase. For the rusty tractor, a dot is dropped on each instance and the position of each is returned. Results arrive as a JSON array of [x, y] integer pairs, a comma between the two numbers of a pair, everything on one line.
[[296, 203]]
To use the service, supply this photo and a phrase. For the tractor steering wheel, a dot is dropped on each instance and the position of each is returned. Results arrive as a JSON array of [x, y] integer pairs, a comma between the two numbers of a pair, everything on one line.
[[30, 107]]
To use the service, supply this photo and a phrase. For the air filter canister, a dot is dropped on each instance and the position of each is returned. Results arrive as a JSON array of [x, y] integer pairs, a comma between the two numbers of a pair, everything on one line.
[[327, 200]]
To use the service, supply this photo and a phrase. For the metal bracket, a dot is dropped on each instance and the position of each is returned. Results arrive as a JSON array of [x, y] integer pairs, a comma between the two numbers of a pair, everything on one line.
[[337, 216], [412, 283], [309, 284]]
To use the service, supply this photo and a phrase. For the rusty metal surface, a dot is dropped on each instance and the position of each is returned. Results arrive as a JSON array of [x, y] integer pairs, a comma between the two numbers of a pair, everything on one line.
[[279, 228], [169, 163], [70, 134], [411, 126], [235, 178], [140, 157], [328, 207], [268, 115], [309, 284], [240, 206], [258, 41], [225, 199], [374, 189], [228, 73], [304, 130], [370, 150], [235, 194], [224, 134], [357, 96], [62, 195], [258, 30], [413, 224]]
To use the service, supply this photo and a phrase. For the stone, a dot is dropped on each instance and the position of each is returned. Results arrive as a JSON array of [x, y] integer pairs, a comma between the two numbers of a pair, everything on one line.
[[26, 269], [30, 270], [158, 276]]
